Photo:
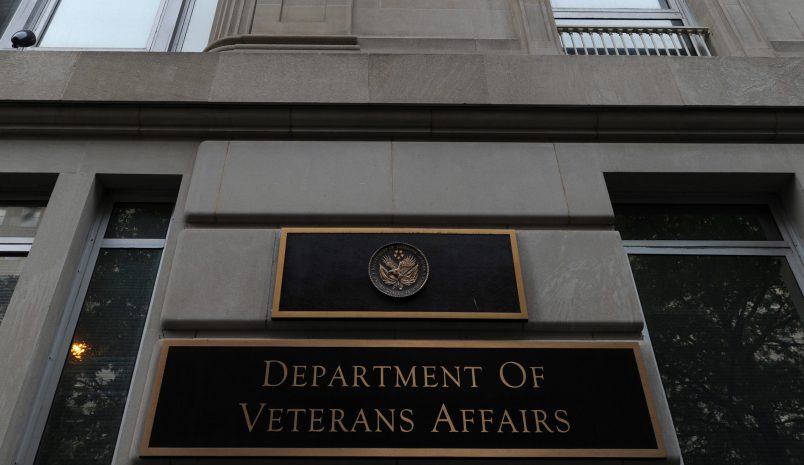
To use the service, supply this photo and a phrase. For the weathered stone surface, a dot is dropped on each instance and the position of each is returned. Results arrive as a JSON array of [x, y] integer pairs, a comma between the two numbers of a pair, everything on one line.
[[202, 198], [434, 18], [586, 80], [471, 182], [305, 181], [427, 78], [103, 76], [692, 158], [291, 77], [733, 82], [221, 279], [578, 281], [585, 189], [35, 75]]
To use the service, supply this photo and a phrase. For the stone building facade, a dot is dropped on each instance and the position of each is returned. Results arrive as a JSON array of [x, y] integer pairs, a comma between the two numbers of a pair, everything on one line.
[[459, 114]]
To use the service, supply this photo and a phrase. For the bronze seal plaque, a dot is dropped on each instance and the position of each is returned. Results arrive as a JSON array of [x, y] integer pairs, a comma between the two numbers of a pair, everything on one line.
[[398, 270]]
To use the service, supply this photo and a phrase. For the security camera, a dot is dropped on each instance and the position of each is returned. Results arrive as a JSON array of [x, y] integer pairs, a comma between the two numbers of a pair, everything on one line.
[[23, 39]]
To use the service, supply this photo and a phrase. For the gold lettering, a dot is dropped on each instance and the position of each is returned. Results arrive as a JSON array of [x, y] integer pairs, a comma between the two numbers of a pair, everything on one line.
[[467, 418], [541, 420], [339, 375], [337, 417], [443, 415], [456, 380], [249, 423], [473, 371], [524, 414], [406, 415], [382, 369], [389, 424], [564, 420], [405, 381], [429, 374], [316, 420], [268, 363], [295, 412], [506, 420], [361, 420], [484, 420], [298, 372], [318, 372], [538, 374], [504, 379], [361, 375], [273, 419]]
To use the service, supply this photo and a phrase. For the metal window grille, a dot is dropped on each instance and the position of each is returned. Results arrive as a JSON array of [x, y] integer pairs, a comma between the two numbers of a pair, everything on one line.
[[631, 31]]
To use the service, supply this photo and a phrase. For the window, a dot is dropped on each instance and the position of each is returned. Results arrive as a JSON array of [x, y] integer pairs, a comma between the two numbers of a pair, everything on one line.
[[196, 26], [18, 224], [720, 287], [628, 27], [96, 371], [153, 25]]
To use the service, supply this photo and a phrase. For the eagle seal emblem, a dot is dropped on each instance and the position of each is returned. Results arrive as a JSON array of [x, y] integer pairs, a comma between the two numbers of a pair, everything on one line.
[[398, 269]]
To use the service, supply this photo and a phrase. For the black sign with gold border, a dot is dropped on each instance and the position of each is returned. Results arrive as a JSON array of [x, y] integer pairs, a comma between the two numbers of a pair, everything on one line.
[[357, 398], [325, 273]]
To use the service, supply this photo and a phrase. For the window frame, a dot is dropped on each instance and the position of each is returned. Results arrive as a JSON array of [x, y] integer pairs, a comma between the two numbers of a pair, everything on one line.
[[685, 37], [789, 247], [678, 11], [15, 245], [20, 246], [183, 25], [165, 32], [45, 395]]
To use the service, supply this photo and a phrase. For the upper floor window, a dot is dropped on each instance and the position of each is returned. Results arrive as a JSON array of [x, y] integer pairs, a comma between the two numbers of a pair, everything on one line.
[[628, 27], [101, 24], [152, 25]]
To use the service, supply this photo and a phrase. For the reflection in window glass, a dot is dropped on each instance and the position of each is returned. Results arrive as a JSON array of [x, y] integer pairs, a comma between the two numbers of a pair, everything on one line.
[[101, 24], [595, 4], [139, 221], [10, 268], [7, 9], [619, 22], [728, 336], [85, 417], [20, 220], [696, 222], [200, 26]]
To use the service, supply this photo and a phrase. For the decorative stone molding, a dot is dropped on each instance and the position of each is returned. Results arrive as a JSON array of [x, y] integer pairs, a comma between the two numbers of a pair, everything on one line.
[[233, 18], [509, 26]]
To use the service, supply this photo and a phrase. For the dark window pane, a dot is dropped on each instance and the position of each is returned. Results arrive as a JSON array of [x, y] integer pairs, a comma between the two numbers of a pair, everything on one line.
[[695, 222], [88, 406], [728, 337], [7, 9], [20, 220], [10, 268], [139, 221]]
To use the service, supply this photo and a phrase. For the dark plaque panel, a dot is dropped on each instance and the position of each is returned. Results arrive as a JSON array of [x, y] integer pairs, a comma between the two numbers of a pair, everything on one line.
[[401, 398], [326, 274]]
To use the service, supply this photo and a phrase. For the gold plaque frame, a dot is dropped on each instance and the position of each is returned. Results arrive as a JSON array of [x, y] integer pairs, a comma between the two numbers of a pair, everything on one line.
[[278, 313], [146, 451]]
